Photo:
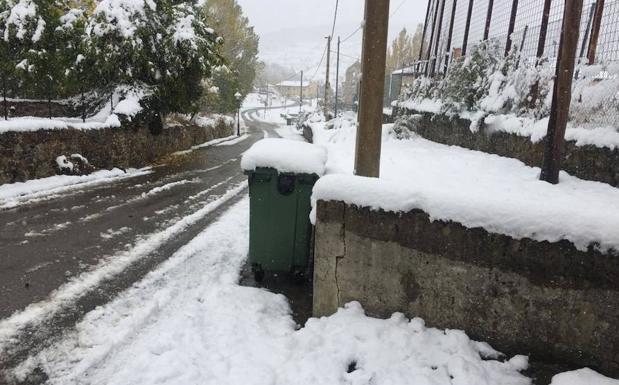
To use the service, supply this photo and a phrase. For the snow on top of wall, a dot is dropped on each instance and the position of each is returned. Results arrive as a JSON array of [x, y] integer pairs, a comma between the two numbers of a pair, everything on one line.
[[501, 195], [557, 215], [424, 105], [286, 156], [536, 130], [29, 124], [584, 376]]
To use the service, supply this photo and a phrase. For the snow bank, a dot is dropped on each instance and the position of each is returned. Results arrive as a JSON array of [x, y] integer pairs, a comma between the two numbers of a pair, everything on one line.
[[286, 156], [30, 124], [582, 377], [190, 322], [536, 131], [14, 194], [476, 189], [423, 105]]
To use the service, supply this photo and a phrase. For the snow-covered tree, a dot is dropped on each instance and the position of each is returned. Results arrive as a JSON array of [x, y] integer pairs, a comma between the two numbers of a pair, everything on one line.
[[159, 45], [239, 50]]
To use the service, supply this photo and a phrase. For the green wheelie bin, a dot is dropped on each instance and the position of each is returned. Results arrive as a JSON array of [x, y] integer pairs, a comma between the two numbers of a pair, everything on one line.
[[280, 231]]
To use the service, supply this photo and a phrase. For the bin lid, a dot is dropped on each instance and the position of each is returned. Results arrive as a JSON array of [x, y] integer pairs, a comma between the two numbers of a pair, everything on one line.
[[286, 155]]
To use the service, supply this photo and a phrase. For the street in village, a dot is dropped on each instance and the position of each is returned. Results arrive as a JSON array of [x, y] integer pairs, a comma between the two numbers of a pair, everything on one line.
[[233, 192]]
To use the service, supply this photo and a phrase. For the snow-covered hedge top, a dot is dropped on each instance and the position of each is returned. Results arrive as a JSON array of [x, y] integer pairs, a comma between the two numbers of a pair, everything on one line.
[[558, 215], [286, 156]]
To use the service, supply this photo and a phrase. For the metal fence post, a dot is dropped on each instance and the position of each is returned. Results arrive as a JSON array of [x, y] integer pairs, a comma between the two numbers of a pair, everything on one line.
[[451, 31], [438, 38], [431, 38], [541, 46], [512, 25], [595, 31], [467, 27], [488, 19], [425, 28]]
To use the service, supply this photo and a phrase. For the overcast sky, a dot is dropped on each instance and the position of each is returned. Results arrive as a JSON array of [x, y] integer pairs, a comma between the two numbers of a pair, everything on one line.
[[292, 31]]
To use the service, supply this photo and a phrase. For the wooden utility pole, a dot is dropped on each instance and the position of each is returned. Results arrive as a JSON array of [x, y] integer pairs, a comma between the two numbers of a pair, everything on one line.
[[512, 25], [337, 76], [327, 82], [301, 96], [562, 96], [595, 31], [6, 104], [467, 27], [373, 60]]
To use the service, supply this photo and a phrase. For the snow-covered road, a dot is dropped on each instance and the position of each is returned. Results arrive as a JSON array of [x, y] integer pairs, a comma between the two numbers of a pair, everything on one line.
[[70, 244], [189, 322]]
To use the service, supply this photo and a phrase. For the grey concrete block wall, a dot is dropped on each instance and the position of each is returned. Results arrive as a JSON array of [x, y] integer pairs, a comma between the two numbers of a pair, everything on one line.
[[549, 300]]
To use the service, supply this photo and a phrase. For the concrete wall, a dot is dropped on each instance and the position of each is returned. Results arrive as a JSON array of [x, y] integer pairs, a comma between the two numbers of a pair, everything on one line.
[[546, 299], [586, 162], [30, 155]]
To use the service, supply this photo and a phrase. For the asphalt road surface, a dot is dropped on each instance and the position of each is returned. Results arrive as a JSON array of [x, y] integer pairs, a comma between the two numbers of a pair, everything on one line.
[[45, 244]]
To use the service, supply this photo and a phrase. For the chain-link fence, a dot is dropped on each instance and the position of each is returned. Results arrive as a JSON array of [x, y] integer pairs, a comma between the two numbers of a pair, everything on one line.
[[533, 27]]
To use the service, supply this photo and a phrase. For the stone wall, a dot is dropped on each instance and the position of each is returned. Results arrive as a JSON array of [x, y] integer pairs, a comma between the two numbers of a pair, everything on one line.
[[31, 155], [586, 162], [549, 300]]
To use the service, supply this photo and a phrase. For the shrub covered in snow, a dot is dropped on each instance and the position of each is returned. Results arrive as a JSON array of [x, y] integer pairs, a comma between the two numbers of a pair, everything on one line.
[[58, 49], [489, 83], [75, 164]]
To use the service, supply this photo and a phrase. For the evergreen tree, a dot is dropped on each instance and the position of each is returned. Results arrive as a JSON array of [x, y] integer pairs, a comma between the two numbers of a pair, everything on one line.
[[239, 50]]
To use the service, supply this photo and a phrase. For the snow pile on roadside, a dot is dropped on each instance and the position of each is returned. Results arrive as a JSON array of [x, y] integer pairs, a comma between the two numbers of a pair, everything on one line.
[[286, 156], [190, 322], [582, 377], [14, 194], [501, 195]]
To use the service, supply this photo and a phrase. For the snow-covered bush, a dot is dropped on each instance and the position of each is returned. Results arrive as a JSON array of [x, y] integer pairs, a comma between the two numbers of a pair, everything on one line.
[[468, 81], [485, 82], [67, 49], [595, 100]]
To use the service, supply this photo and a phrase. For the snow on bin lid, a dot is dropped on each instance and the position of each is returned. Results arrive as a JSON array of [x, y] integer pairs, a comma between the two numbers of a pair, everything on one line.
[[286, 156]]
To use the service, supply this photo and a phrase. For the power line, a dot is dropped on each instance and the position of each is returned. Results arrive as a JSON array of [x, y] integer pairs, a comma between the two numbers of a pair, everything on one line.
[[346, 55], [361, 25], [324, 54], [337, 3]]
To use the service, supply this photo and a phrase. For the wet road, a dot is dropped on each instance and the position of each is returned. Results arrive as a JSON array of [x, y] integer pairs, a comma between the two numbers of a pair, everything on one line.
[[113, 233]]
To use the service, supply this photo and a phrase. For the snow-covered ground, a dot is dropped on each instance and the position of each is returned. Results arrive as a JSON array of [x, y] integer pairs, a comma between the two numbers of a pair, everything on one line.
[[502, 195], [15, 194], [190, 322]]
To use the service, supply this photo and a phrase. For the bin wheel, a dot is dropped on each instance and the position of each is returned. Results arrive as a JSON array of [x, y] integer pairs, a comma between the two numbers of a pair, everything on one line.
[[258, 274], [299, 277]]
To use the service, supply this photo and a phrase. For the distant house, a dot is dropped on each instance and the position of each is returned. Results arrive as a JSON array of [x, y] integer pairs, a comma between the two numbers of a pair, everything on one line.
[[292, 89], [400, 78], [351, 85]]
